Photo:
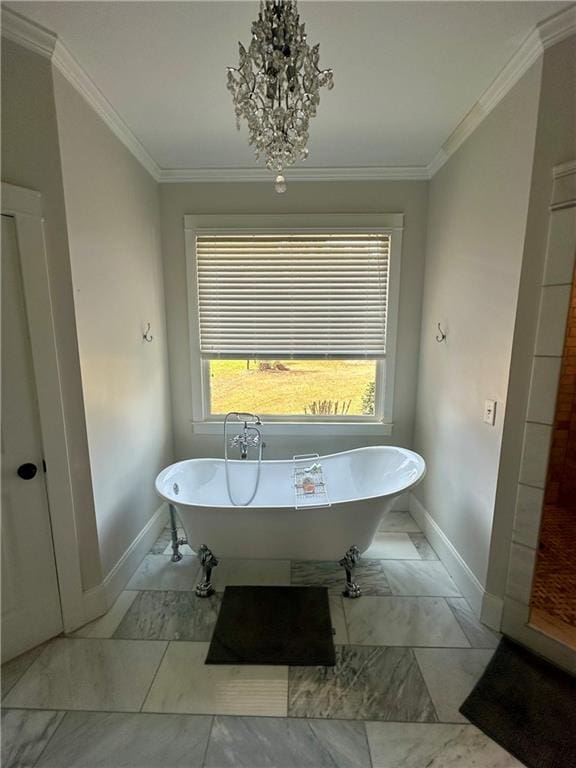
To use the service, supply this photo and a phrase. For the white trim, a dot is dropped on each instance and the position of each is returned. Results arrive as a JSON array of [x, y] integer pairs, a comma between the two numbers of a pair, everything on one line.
[[522, 60], [386, 379], [546, 34], [34, 37], [515, 623], [521, 572], [101, 598], [296, 221], [491, 613], [67, 65], [122, 572], [383, 173], [27, 33], [456, 566], [393, 223], [195, 361], [558, 27], [40, 40], [94, 603], [25, 206], [304, 429]]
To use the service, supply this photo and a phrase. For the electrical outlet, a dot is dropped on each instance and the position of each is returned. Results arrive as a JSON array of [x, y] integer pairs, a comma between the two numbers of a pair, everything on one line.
[[490, 412]]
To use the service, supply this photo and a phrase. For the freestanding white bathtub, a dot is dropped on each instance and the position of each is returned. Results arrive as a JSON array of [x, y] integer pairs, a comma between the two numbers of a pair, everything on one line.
[[361, 485]]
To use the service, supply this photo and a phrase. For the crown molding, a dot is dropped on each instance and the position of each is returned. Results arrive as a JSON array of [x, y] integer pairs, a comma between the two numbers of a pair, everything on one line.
[[44, 42], [27, 33], [558, 27], [69, 67], [545, 35], [390, 173], [39, 40]]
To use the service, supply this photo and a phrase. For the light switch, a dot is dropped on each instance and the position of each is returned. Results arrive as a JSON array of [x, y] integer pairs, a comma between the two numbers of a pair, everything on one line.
[[490, 412]]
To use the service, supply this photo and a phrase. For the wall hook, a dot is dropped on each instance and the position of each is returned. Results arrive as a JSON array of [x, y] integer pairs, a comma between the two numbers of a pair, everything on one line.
[[440, 337], [147, 336]]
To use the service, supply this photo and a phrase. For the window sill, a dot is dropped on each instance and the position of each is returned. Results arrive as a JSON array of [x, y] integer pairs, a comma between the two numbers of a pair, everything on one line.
[[367, 429]]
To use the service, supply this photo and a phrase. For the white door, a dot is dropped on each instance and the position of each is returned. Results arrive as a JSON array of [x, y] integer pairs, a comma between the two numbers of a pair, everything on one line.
[[30, 599]]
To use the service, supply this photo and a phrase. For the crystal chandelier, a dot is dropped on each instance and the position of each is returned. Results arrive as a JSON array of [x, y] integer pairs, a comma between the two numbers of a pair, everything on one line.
[[276, 86]]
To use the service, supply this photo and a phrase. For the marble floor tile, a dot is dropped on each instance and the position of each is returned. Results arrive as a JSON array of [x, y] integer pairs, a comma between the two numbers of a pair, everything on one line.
[[258, 573], [258, 742], [420, 579], [399, 521], [25, 733], [411, 621], [479, 635], [105, 740], [324, 573], [13, 670], [450, 676], [105, 626], [71, 673], [423, 546], [176, 615], [185, 684], [422, 745], [338, 620], [159, 572], [367, 683], [392, 546]]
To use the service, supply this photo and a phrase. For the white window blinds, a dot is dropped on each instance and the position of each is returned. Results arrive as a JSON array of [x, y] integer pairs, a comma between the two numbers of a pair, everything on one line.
[[306, 295]]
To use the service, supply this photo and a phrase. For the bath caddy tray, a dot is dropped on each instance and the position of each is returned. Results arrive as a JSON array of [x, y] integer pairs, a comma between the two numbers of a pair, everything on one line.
[[309, 484]]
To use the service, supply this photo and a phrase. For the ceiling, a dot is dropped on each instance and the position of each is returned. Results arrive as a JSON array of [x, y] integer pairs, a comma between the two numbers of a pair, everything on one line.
[[406, 73]]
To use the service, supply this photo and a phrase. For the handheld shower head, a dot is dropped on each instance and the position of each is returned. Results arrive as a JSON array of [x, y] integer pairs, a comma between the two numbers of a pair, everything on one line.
[[245, 417]]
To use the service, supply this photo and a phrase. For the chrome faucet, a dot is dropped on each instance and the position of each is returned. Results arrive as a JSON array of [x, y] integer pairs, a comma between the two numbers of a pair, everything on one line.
[[250, 436]]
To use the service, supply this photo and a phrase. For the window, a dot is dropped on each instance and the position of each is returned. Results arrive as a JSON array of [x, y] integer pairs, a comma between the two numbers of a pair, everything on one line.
[[293, 323]]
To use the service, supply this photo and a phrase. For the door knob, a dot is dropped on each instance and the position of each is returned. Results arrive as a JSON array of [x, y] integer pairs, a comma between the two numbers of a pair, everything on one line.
[[27, 471]]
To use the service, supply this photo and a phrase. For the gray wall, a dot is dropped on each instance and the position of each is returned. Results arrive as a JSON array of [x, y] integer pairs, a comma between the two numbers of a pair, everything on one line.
[[555, 144], [476, 226], [31, 159], [112, 211], [177, 200]]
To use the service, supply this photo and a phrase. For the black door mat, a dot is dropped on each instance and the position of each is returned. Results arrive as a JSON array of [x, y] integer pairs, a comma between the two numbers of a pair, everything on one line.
[[526, 705], [273, 625]]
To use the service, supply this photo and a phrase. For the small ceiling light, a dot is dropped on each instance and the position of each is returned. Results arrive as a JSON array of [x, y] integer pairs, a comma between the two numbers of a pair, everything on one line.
[[276, 86]]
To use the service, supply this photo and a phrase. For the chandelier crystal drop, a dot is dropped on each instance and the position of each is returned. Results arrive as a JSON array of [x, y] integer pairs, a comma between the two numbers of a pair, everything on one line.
[[276, 86]]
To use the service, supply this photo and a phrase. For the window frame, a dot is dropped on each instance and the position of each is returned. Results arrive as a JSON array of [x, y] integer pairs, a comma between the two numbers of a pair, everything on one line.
[[382, 421]]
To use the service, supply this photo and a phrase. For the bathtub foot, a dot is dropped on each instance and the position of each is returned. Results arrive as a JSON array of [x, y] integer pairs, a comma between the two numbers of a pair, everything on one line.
[[176, 542], [207, 561], [348, 562]]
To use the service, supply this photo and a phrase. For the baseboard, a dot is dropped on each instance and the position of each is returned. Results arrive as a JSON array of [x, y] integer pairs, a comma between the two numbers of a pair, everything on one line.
[[122, 572], [94, 603], [465, 580], [99, 599], [491, 613]]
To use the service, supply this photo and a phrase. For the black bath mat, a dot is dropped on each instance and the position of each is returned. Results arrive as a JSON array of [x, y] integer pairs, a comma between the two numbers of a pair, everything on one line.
[[273, 625], [526, 705]]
